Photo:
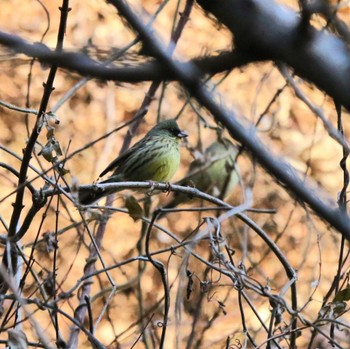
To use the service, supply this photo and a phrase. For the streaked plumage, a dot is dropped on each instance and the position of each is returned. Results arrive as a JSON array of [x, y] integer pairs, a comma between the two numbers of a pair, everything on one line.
[[155, 157]]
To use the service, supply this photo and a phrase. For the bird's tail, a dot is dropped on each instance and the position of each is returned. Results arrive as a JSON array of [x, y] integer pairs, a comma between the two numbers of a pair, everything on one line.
[[88, 197]]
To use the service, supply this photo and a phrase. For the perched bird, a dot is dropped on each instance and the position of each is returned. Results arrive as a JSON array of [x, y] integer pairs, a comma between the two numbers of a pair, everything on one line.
[[156, 157], [215, 173]]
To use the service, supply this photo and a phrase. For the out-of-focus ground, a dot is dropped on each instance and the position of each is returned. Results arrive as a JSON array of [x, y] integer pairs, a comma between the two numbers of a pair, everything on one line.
[[289, 129]]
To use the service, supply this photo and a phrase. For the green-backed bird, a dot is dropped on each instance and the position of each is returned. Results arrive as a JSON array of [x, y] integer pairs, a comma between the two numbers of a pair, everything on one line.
[[156, 157], [215, 173]]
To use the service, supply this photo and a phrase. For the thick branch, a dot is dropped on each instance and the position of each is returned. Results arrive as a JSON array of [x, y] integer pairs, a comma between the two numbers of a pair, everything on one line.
[[319, 201], [265, 28], [145, 71]]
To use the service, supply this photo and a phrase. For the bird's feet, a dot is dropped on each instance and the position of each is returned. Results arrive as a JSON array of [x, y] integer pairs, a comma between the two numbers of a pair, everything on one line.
[[151, 189], [168, 188]]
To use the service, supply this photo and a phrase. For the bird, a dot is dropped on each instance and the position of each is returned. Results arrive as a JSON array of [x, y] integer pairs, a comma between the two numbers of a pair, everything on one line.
[[156, 157], [215, 173]]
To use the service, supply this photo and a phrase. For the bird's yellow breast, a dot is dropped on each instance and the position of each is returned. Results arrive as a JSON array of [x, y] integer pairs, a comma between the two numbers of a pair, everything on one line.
[[158, 162], [165, 166], [165, 163]]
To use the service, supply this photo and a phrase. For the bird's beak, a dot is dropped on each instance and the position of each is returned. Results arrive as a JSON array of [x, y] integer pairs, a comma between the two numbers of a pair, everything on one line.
[[182, 134]]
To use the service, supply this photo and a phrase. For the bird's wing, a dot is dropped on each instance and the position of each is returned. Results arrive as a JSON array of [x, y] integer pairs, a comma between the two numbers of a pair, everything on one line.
[[120, 159]]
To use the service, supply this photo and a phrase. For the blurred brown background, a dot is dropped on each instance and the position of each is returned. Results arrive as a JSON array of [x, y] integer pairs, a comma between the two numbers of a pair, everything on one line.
[[288, 127]]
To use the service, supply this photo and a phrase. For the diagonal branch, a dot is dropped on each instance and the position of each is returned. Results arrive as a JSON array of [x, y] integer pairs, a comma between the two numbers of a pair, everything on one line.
[[322, 204], [276, 32], [27, 153]]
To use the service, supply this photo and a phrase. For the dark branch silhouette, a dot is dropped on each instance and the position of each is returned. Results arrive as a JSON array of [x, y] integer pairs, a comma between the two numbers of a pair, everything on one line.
[[267, 29], [146, 71]]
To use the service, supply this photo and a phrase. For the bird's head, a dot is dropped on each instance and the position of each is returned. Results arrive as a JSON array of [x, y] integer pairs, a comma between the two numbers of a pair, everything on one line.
[[169, 128]]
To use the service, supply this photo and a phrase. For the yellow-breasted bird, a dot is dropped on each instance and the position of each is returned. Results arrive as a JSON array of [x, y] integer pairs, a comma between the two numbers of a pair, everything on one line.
[[215, 173], [156, 157]]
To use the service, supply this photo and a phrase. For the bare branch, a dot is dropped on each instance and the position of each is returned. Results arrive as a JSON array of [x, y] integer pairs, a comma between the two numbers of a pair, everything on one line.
[[276, 32]]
